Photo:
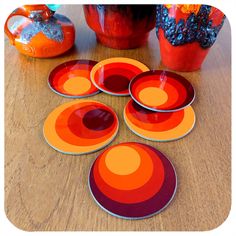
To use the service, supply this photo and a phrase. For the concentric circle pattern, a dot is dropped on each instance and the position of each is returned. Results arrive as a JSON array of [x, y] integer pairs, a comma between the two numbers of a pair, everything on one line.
[[132, 180], [80, 127], [113, 75], [72, 79], [158, 126], [161, 91]]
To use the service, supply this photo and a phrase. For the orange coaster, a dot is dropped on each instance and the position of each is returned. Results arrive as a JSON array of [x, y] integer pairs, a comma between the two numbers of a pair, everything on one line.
[[72, 79], [113, 75], [80, 127], [158, 126], [132, 180], [161, 91]]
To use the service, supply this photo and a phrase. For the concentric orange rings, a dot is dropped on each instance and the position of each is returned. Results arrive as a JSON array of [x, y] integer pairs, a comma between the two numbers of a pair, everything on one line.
[[161, 91], [72, 79], [113, 75], [81, 126], [148, 197], [158, 126]]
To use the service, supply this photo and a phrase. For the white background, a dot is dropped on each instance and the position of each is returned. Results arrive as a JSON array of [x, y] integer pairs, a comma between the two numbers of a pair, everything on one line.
[[227, 6]]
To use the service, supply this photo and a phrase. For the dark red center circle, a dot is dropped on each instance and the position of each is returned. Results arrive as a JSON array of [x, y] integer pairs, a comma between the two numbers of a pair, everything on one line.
[[116, 83], [98, 119]]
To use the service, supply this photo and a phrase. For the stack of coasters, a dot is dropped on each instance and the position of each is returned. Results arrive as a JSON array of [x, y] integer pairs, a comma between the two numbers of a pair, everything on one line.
[[160, 107], [128, 180], [113, 75]]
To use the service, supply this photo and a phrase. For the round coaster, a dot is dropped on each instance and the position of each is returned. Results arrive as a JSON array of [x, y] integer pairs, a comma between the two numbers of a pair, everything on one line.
[[132, 180], [113, 75], [72, 79], [162, 91], [158, 126], [80, 127]]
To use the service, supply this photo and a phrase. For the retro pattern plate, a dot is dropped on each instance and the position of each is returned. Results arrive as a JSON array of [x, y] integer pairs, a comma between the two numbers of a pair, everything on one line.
[[113, 75], [80, 127], [162, 91], [72, 79], [158, 126], [132, 180]]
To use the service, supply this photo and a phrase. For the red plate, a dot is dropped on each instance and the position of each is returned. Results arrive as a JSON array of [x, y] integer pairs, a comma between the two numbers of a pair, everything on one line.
[[162, 91], [158, 126], [72, 79], [132, 180], [80, 127], [113, 75]]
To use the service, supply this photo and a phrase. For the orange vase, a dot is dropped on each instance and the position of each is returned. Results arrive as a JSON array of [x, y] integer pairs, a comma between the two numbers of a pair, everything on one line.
[[40, 32]]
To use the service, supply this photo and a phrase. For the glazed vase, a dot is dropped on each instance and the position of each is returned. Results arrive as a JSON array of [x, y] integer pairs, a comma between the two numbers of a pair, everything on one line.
[[121, 26], [186, 33], [39, 32]]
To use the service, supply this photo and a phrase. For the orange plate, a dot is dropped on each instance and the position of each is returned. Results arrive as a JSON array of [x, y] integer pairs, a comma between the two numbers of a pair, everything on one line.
[[72, 79], [132, 180], [113, 75], [161, 91], [80, 127], [158, 126]]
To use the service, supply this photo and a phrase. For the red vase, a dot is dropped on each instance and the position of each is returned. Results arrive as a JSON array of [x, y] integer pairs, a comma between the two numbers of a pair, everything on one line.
[[121, 26], [186, 33]]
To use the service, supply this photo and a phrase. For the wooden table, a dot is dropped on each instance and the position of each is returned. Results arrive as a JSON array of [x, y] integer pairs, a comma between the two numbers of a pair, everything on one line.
[[46, 190]]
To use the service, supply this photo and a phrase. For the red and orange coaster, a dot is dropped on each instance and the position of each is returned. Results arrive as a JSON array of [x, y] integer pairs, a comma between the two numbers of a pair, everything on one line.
[[113, 75], [158, 126], [132, 180], [72, 79], [162, 91], [80, 127]]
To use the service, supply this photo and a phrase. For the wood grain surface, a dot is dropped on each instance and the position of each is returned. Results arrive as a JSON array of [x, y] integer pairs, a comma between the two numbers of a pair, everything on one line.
[[46, 190]]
